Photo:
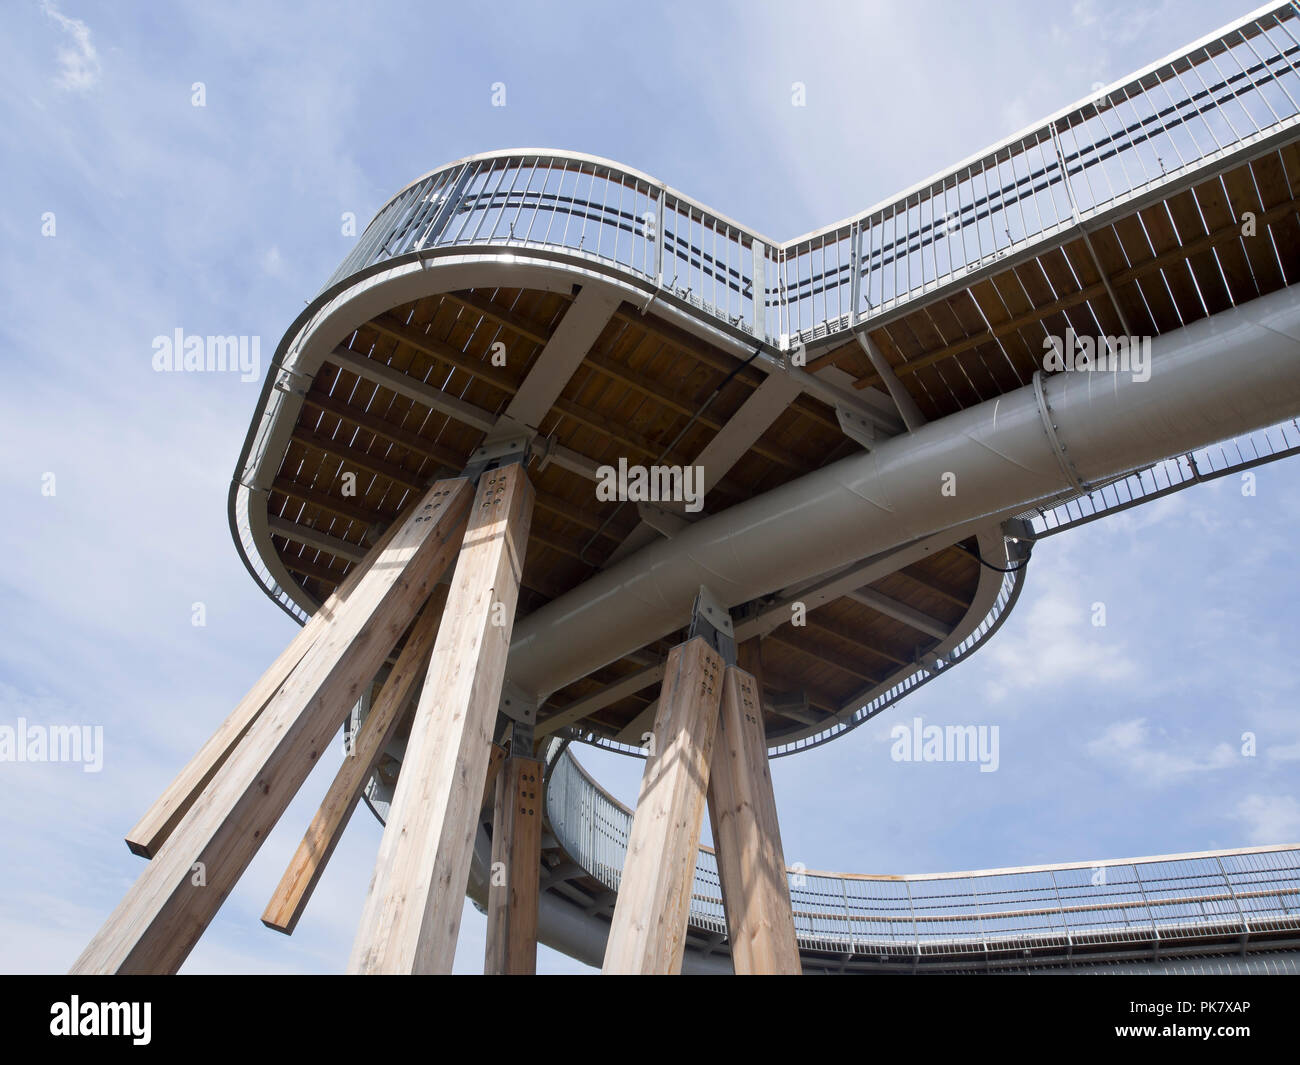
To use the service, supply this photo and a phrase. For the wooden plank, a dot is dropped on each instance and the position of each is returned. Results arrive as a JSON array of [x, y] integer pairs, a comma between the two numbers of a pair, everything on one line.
[[515, 876], [1203, 264], [348, 508], [162, 817], [1275, 191], [1243, 199], [1176, 272], [418, 445], [326, 829], [162, 916], [598, 700], [746, 834], [1212, 199], [411, 917], [496, 757], [360, 458], [648, 931]]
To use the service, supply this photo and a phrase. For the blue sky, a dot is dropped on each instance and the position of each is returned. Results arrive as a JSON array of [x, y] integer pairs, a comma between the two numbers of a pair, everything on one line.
[[225, 219]]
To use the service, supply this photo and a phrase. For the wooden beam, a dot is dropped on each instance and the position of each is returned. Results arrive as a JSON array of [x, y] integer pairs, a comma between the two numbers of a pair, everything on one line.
[[351, 508], [648, 931], [720, 361], [892, 608], [322, 541], [166, 812], [326, 829], [539, 334], [403, 384], [603, 697], [496, 758], [156, 925], [549, 373], [430, 347], [304, 568], [783, 637], [359, 458], [571, 511], [390, 431], [746, 834], [514, 881], [444, 402], [411, 917], [868, 648], [928, 583]]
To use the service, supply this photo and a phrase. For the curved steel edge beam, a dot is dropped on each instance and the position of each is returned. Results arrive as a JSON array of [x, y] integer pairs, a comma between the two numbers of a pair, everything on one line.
[[1219, 377], [601, 826], [983, 617]]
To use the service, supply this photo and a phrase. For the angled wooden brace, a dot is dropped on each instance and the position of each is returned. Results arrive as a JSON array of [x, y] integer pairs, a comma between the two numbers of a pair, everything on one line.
[[165, 814], [162, 916], [326, 829]]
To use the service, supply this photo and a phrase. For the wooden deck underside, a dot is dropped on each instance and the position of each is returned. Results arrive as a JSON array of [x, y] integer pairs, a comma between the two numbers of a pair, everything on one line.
[[646, 392]]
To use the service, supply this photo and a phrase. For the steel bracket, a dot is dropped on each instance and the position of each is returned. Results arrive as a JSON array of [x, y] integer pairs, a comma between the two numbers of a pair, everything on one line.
[[711, 621]]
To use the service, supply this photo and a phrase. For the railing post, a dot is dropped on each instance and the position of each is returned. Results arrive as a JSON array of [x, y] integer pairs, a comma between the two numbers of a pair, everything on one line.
[[661, 220]]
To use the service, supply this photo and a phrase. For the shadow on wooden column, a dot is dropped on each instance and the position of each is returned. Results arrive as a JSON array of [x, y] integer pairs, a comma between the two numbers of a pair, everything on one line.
[[411, 918], [162, 916], [746, 835], [514, 880], [648, 931]]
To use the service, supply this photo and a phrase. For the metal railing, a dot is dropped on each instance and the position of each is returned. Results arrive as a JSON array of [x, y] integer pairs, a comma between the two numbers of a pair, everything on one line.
[[1237, 455], [1165, 127], [1220, 100], [1243, 894], [1162, 128]]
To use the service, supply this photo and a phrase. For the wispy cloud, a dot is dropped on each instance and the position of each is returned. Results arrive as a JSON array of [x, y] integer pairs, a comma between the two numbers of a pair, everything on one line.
[[1151, 756], [1270, 818], [79, 68], [1067, 645]]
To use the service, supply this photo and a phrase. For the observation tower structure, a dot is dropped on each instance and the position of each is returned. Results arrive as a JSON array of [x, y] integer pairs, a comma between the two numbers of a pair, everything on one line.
[[559, 455]]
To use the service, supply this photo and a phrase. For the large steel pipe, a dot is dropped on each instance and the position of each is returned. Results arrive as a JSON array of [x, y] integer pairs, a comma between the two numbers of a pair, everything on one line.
[[1229, 374]]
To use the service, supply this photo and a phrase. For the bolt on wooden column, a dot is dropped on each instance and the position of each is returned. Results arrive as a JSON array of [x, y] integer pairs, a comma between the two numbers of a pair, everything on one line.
[[411, 918], [157, 924], [746, 834], [326, 829], [648, 931], [514, 880]]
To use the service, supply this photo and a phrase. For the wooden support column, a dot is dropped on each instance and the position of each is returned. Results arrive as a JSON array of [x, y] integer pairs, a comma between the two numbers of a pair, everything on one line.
[[326, 829], [157, 924], [411, 917], [746, 836], [648, 931], [515, 875], [174, 803]]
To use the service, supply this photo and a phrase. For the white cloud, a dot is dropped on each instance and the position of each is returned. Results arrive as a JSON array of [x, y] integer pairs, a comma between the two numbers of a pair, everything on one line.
[[1130, 746], [1270, 818], [1066, 645], [1284, 752], [273, 262], [78, 62]]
